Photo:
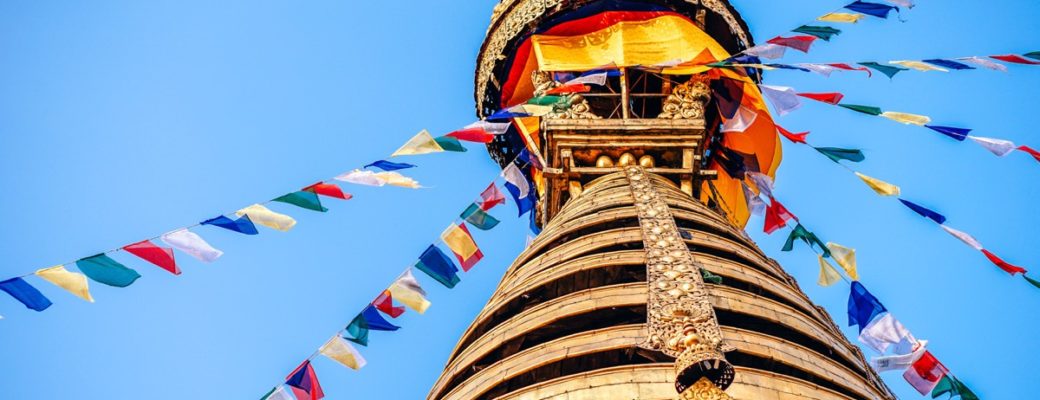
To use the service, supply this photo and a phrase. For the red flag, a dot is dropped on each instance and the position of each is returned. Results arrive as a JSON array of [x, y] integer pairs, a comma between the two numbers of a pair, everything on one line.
[[385, 303], [851, 68], [575, 88], [328, 189], [161, 256], [829, 98], [1011, 269], [491, 197], [776, 216], [304, 383], [800, 43], [794, 137], [1032, 152], [925, 373], [1011, 58], [477, 135]]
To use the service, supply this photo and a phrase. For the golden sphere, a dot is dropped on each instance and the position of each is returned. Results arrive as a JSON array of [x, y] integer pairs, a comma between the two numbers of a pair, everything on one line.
[[604, 162], [627, 159], [646, 162]]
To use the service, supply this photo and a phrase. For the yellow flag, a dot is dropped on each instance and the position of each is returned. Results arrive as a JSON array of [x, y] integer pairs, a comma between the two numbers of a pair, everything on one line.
[[421, 143], [459, 241], [920, 66], [342, 352], [536, 110], [396, 179], [909, 119], [75, 283], [846, 258], [841, 17], [881, 187], [263, 216], [407, 291], [828, 275]]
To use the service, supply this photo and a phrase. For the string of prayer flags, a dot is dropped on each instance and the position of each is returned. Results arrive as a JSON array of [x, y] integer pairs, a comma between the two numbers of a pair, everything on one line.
[[982, 62], [822, 32], [784, 98], [869, 110], [841, 17], [389, 166], [863, 306], [438, 266], [478, 218], [277, 393], [821, 69], [845, 257], [406, 289], [160, 256], [906, 118], [948, 64], [263, 216], [828, 274], [799, 232], [385, 303], [847, 67], [880, 187], [459, 240], [491, 197], [918, 65], [518, 186], [799, 42], [1011, 58], [328, 190], [888, 70], [25, 293], [883, 332], [829, 98], [872, 9], [192, 244], [837, 154], [793, 137], [776, 216], [925, 373], [304, 383], [958, 134], [303, 199], [598, 78], [341, 351], [421, 143], [241, 225], [103, 269], [72, 282], [924, 212], [952, 387], [379, 179]]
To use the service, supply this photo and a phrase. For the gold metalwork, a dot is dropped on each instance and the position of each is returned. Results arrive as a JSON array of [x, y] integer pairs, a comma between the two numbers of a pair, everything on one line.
[[573, 106], [604, 162], [688, 100], [626, 159], [646, 161], [704, 390]]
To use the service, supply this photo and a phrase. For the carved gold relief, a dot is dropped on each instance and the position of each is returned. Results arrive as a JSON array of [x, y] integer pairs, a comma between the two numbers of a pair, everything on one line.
[[573, 106], [687, 100], [704, 390]]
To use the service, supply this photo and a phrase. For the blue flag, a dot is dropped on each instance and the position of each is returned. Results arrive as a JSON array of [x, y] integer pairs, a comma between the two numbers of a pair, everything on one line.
[[375, 321], [863, 306], [948, 64], [25, 293], [241, 225], [521, 190], [924, 212], [875, 9], [438, 266], [389, 166], [957, 133]]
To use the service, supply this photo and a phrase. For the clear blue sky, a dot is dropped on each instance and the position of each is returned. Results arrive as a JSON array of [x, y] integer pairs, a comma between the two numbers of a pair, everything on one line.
[[120, 120]]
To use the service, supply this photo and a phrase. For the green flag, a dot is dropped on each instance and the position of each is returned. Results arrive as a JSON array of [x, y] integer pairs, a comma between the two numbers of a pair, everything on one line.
[[809, 238], [888, 70], [1031, 281], [547, 100], [710, 277], [951, 386], [837, 154], [358, 329], [449, 143], [822, 32], [308, 200], [863, 109], [103, 269], [1034, 55], [478, 218]]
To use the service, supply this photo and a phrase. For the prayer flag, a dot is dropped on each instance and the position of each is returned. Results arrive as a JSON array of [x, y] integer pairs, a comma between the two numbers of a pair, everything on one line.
[[951, 386], [74, 283], [847, 18], [882, 332], [851, 68], [1011, 58], [491, 197], [476, 135], [793, 137], [741, 121], [800, 42], [241, 225], [837, 154], [263, 216], [845, 257], [728, 94], [1031, 151], [964, 237], [924, 374], [958, 134], [385, 303], [822, 32], [905, 118], [1009, 268], [103, 269], [389, 166], [406, 289], [874, 9], [459, 240], [767, 50], [478, 218], [924, 212], [763, 182], [829, 98], [828, 274], [494, 128], [328, 190], [449, 143], [374, 321], [898, 362], [1032, 281], [948, 64], [340, 350], [592, 78], [903, 3], [880, 187], [567, 89], [863, 306], [277, 393], [160, 256], [869, 110], [304, 383], [888, 70], [396, 179], [191, 243], [303, 199], [526, 156], [784, 98], [25, 293], [918, 65], [421, 143], [821, 69], [358, 330], [982, 62], [755, 204], [799, 232], [1033, 54], [776, 216], [438, 266], [518, 186], [360, 177], [998, 147]]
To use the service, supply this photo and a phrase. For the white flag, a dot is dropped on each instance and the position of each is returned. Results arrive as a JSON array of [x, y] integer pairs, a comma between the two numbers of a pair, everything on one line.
[[342, 352], [740, 122], [763, 182], [821, 69], [998, 147], [360, 177], [599, 78], [279, 393], [754, 203], [494, 128], [191, 243], [982, 62], [882, 332], [964, 237], [767, 50], [784, 98], [899, 361]]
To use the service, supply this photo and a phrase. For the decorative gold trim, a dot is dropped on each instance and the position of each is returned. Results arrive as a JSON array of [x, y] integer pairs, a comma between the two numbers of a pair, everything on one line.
[[704, 390], [687, 100]]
